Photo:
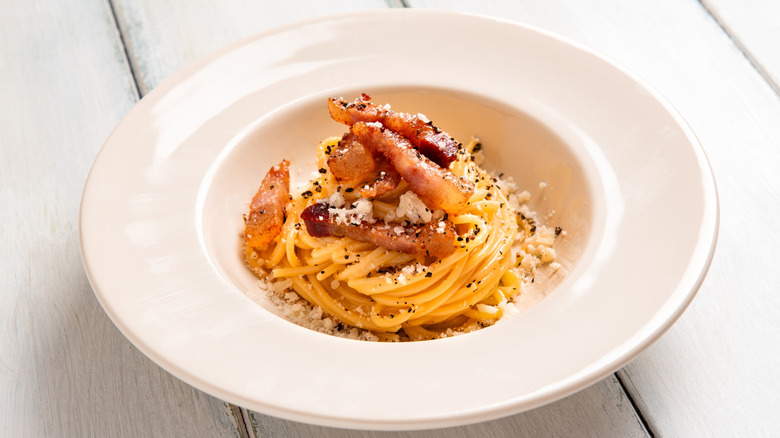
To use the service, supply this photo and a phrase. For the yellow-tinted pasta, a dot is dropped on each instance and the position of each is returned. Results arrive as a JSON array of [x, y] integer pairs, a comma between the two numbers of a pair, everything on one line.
[[396, 295]]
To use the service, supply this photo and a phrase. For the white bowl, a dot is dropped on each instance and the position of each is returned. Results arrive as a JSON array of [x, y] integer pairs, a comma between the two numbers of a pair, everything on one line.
[[162, 214]]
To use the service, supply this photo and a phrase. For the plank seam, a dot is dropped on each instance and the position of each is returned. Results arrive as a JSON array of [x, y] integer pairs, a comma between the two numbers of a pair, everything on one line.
[[246, 418], [742, 48], [239, 416], [635, 406], [125, 52]]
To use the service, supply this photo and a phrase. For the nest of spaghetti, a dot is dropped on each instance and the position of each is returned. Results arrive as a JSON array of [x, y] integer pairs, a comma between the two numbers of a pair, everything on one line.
[[401, 235]]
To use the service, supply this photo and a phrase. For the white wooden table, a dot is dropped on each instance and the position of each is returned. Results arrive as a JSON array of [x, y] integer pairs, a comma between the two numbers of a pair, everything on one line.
[[70, 69]]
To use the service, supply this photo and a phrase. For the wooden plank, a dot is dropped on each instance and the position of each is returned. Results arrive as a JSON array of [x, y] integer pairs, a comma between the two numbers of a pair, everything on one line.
[[715, 373], [753, 26], [600, 411], [65, 370], [163, 37]]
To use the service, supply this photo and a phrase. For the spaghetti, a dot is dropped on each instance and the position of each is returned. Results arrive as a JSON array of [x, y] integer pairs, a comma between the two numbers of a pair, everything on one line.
[[392, 295]]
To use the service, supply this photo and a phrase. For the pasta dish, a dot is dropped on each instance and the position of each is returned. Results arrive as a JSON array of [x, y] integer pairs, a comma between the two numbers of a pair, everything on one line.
[[400, 236]]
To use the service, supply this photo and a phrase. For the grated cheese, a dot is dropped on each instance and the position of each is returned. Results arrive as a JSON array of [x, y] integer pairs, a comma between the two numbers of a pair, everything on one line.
[[361, 210], [412, 207]]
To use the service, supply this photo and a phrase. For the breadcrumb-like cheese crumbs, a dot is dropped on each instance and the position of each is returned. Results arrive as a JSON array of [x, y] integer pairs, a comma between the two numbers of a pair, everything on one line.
[[301, 312]]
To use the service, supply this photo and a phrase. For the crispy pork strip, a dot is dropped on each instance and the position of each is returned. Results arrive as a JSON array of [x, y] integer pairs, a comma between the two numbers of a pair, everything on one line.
[[353, 163], [430, 140], [434, 239], [266, 212], [387, 180], [436, 186]]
